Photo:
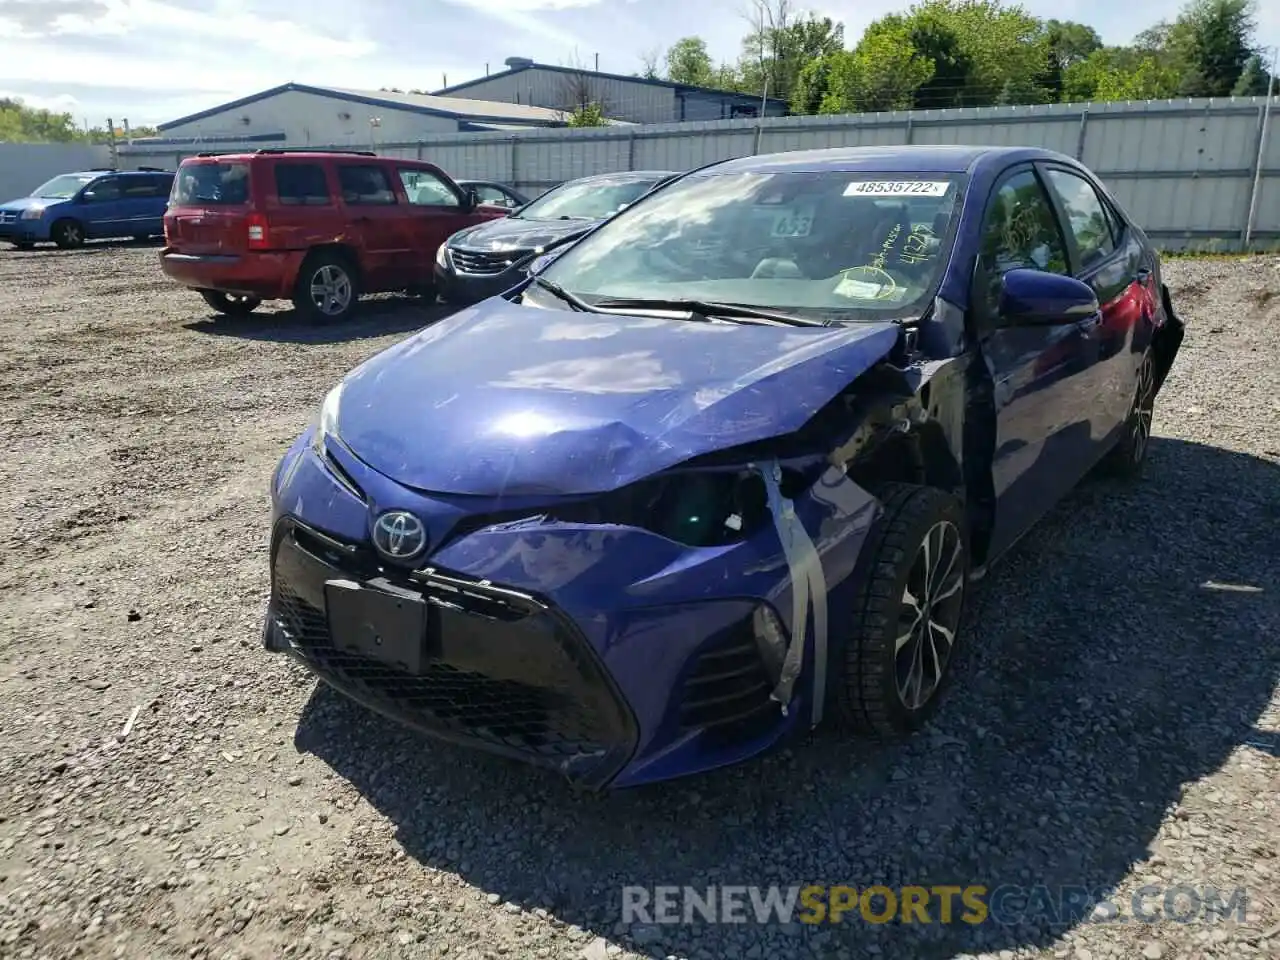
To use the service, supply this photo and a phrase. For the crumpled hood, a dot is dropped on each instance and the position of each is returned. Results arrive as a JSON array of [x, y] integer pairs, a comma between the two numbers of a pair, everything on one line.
[[512, 233], [26, 203], [506, 399]]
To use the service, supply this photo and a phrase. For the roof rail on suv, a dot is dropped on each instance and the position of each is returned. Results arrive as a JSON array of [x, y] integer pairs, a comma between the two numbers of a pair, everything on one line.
[[358, 153], [151, 170]]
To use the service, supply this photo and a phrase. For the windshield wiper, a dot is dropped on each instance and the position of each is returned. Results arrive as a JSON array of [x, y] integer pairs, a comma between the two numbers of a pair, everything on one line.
[[558, 291], [710, 308]]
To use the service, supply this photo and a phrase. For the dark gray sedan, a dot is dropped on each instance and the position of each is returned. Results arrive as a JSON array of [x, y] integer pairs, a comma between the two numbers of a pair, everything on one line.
[[484, 260]]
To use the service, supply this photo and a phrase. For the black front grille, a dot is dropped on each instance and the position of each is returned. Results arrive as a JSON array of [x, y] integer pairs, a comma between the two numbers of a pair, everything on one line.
[[507, 676], [728, 690], [8, 216], [485, 263]]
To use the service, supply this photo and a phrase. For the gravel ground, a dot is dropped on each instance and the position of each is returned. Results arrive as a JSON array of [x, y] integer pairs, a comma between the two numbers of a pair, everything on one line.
[[1117, 724]]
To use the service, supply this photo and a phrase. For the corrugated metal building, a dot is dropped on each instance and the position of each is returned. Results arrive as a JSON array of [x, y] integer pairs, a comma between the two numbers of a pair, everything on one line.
[[633, 99], [300, 115]]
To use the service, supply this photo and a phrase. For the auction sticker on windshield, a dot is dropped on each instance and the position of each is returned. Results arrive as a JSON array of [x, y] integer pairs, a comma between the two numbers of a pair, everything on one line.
[[793, 222], [897, 188]]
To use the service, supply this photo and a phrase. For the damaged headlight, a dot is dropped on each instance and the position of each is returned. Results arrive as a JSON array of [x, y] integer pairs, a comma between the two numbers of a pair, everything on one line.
[[325, 424], [699, 508]]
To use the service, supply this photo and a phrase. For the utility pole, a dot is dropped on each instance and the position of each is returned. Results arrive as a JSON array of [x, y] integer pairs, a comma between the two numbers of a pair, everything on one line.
[[1262, 149], [111, 144]]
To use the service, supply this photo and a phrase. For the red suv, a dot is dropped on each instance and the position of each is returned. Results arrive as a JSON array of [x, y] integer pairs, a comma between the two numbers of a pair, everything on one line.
[[319, 228]]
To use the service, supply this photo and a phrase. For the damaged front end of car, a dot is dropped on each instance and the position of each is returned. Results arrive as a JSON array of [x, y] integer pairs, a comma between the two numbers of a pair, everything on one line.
[[679, 622]]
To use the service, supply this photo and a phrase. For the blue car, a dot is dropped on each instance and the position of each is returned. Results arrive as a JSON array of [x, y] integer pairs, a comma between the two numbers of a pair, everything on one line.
[[92, 205], [725, 468]]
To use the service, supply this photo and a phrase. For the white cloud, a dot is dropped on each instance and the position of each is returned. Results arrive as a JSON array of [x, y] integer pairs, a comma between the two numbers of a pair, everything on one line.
[[530, 16], [62, 103]]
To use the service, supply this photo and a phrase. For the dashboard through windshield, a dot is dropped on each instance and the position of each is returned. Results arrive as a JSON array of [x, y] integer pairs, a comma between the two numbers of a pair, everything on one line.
[[829, 243]]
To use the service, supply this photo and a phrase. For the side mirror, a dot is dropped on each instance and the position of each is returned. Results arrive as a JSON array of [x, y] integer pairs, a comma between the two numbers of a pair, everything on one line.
[[1036, 298], [473, 198], [88, 195]]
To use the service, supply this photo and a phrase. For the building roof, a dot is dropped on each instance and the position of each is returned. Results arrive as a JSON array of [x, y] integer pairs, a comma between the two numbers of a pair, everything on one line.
[[678, 87], [457, 108]]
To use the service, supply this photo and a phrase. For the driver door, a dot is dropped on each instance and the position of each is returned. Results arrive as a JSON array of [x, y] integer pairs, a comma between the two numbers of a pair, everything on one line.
[[103, 208], [1040, 373]]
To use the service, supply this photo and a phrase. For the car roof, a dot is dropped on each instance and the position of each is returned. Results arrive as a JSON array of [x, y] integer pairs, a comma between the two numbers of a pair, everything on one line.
[[626, 175], [113, 173], [889, 159]]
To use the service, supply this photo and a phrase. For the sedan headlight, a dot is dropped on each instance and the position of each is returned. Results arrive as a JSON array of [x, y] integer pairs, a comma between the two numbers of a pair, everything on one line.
[[32, 213], [325, 423], [441, 255]]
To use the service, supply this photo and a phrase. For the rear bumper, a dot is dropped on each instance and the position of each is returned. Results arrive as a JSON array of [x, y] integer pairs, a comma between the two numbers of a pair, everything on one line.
[[270, 275]]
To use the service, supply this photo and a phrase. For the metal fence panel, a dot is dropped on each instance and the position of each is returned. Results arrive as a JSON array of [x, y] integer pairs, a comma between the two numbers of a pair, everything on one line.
[[1185, 169]]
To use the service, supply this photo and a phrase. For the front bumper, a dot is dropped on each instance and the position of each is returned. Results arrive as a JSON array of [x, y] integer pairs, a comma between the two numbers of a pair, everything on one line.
[[23, 231], [610, 654], [468, 288]]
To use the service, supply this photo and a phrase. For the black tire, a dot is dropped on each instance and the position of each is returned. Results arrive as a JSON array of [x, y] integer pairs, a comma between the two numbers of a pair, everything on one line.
[[870, 695], [333, 272], [1127, 458], [67, 234], [231, 304]]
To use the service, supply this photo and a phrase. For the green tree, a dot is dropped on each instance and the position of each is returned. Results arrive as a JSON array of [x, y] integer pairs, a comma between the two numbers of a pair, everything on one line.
[[688, 62], [587, 115], [1211, 42], [882, 73], [1067, 43]]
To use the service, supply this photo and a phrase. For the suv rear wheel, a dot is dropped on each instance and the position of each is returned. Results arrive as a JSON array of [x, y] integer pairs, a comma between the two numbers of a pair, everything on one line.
[[68, 234], [327, 290], [231, 304]]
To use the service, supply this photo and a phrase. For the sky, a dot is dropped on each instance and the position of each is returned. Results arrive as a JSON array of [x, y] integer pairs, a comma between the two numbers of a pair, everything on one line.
[[150, 61]]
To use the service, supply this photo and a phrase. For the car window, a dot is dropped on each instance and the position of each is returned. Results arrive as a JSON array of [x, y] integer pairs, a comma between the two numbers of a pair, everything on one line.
[[63, 187], [301, 184], [365, 184], [1086, 218], [106, 189], [586, 200], [140, 188], [211, 183], [425, 189], [493, 195], [164, 183], [1020, 231], [829, 243]]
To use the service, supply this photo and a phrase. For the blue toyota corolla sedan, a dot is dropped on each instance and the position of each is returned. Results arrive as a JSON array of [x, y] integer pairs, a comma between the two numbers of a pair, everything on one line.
[[724, 469]]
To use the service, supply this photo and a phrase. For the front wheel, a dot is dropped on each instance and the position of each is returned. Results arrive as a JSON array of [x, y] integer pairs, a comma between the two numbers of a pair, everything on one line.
[[326, 291], [906, 616], [231, 304], [68, 234]]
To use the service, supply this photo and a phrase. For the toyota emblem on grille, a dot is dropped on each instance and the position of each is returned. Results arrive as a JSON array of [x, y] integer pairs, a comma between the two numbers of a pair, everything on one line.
[[399, 535]]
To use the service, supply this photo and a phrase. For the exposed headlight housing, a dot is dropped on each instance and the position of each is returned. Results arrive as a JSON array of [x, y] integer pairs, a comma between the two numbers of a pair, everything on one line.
[[325, 424], [32, 213]]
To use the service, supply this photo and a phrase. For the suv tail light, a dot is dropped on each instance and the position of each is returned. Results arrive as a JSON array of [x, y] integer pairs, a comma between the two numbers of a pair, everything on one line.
[[259, 231]]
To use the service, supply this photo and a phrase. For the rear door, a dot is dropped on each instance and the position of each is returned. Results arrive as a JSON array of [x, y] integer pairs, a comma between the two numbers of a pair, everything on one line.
[[102, 208], [1111, 260], [1040, 373], [436, 210], [376, 222], [142, 203], [209, 207], [302, 204]]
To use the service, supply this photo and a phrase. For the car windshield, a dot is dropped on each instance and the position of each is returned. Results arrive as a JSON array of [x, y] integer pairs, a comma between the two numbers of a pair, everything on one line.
[[67, 185], [215, 183], [832, 245], [586, 200]]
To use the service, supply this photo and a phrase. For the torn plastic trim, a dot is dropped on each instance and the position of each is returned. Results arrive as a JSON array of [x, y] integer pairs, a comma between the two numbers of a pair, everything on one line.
[[808, 588]]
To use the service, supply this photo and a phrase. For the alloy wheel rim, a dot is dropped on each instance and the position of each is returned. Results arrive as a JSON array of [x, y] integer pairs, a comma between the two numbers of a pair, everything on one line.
[[330, 290], [1143, 405], [72, 233], [929, 615]]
